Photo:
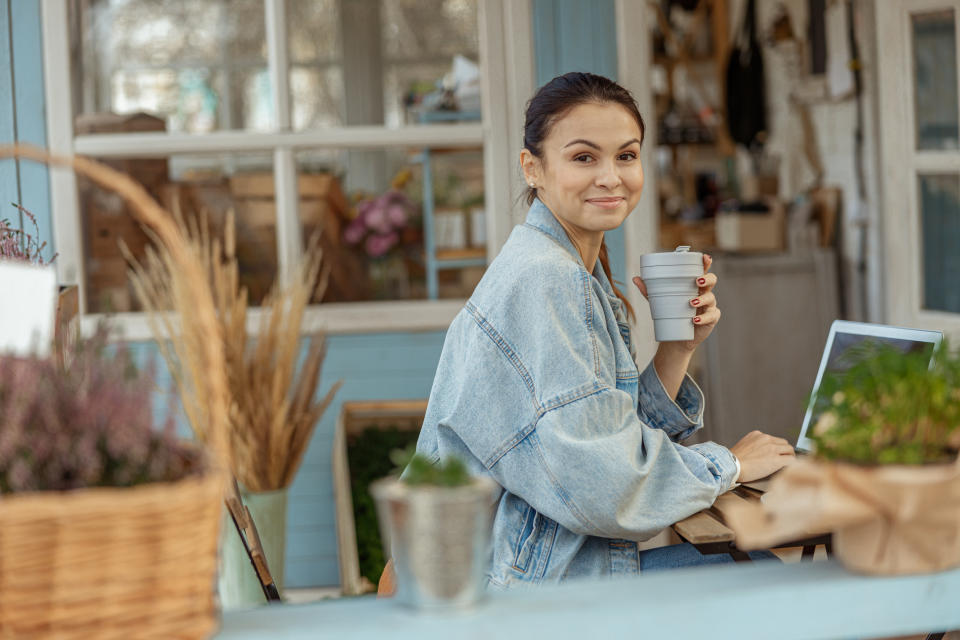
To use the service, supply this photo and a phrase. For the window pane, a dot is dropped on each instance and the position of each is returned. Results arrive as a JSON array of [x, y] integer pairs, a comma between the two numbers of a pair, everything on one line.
[[940, 219], [935, 75], [212, 185], [382, 62], [200, 65], [370, 206]]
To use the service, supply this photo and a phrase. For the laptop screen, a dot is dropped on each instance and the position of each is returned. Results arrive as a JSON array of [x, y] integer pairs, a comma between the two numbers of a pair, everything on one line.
[[843, 354]]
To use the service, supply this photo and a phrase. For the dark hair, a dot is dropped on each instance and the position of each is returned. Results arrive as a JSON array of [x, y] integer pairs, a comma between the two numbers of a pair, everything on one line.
[[551, 102]]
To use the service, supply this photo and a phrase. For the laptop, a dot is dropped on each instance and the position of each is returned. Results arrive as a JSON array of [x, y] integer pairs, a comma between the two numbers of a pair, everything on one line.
[[837, 358]]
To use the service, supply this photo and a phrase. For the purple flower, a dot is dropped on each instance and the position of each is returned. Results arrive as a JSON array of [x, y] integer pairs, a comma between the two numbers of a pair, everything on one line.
[[378, 245], [353, 234], [88, 424], [397, 214]]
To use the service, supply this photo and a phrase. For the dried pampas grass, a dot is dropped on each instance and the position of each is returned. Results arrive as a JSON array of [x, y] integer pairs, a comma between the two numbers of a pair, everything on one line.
[[273, 402]]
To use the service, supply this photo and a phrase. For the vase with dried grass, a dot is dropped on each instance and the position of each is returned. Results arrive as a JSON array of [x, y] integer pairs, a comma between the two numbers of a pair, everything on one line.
[[274, 401], [79, 560]]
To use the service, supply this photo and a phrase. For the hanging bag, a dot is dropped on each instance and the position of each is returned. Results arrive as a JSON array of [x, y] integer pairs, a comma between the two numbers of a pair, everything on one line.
[[746, 94]]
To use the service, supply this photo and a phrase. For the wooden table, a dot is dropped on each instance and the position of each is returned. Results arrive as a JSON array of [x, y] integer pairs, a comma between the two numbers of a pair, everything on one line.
[[708, 532]]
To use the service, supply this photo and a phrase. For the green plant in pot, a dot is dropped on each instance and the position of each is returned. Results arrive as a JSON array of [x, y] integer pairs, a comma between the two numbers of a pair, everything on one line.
[[435, 520], [891, 408], [885, 476]]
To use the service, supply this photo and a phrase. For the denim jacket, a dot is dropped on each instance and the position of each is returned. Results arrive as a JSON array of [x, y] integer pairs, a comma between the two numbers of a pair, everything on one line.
[[537, 387]]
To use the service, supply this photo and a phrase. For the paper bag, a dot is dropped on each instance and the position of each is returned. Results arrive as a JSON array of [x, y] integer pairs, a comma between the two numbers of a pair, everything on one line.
[[886, 519]]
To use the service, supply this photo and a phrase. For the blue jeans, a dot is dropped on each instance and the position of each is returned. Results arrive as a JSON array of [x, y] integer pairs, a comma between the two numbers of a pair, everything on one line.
[[678, 556]]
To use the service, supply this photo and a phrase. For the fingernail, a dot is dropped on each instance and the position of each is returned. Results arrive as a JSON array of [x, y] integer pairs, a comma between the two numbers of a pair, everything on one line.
[[701, 281], [696, 318], [695, 302]]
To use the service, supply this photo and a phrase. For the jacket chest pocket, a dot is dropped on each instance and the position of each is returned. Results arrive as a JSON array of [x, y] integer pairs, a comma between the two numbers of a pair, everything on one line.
[[531, 541]]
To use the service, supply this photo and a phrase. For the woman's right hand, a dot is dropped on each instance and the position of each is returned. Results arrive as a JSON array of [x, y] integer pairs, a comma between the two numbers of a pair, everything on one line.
[[761, 454]]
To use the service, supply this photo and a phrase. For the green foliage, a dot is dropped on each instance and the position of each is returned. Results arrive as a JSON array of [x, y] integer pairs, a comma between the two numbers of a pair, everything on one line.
[[890, 408], [369, 460], [420, 471]]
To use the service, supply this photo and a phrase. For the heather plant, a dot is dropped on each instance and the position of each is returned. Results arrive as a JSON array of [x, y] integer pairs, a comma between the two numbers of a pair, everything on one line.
[[84, 424], [891, 408], [16, 244]]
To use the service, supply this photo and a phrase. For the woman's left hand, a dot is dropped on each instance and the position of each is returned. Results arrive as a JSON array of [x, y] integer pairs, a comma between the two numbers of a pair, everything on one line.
[[708, 314]]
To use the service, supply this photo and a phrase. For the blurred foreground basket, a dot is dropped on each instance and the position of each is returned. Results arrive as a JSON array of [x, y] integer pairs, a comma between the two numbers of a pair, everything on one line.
[[125, 562], [111, 563]]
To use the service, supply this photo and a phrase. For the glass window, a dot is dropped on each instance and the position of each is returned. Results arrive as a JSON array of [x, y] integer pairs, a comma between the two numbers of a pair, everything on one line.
[[383, 62], [200, 65], [194, 185], [940, 220], [935, 78], [371, 206]]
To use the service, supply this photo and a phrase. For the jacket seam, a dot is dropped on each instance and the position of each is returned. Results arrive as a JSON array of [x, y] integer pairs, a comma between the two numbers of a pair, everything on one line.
[[558, 488], [588, 306], [553, 238], [558, 401], [545, 562], [504, 347]]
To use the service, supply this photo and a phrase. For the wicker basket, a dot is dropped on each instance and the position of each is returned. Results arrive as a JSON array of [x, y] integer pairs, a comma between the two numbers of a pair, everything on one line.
[[111, 563], [124, 562]]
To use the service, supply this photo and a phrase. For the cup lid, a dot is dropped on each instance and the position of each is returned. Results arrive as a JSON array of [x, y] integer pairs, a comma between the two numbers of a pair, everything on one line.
[[680, 256]]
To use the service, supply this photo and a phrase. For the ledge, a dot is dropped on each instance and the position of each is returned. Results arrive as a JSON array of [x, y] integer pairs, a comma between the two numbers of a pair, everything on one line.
[[764, 600]]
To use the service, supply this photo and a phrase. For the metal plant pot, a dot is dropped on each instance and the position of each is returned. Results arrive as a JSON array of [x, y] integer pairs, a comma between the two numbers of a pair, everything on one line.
[[438, 538]]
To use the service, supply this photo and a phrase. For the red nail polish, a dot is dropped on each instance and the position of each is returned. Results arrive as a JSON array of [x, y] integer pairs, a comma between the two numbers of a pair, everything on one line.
[[695, 302], [696, 318], [702, 281]]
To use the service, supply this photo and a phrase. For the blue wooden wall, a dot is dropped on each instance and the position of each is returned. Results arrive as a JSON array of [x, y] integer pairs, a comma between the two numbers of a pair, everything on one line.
[[22, 115], [569, 35]]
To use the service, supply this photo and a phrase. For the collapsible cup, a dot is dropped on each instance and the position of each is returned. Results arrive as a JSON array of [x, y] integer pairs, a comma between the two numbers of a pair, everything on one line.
[[671, 279]]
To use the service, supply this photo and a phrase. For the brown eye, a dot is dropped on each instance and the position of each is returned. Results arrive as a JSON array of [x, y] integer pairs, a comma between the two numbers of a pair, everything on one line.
[[580, 157], [628, 156]]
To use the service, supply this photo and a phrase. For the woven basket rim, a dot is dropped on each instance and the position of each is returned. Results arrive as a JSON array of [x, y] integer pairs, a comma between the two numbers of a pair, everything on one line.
[[54, 500]]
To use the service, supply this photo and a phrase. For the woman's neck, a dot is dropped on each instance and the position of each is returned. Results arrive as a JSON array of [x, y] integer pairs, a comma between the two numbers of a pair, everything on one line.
[[586, 242]]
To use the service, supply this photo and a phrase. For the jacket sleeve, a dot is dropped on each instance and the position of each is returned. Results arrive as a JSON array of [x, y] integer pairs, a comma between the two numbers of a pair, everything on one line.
[[594, 467], [679, 417]]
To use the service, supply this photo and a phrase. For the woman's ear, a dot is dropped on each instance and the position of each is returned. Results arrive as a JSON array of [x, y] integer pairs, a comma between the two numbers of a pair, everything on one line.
[[530, 165]]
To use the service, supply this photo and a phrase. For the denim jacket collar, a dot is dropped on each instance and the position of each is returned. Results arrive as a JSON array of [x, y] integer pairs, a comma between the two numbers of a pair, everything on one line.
[[541, 218]]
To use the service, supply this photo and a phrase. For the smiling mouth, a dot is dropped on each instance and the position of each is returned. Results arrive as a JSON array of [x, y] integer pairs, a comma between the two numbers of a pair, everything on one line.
[[607, 203]]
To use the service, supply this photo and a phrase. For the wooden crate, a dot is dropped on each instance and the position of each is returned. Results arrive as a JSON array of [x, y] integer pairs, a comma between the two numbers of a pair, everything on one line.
[[355, 418]]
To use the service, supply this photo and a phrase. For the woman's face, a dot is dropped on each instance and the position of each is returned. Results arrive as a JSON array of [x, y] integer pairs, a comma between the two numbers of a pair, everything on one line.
[[590, 174]]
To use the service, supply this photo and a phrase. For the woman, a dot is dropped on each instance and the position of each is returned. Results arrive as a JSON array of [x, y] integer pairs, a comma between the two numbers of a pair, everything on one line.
[[537, 386]]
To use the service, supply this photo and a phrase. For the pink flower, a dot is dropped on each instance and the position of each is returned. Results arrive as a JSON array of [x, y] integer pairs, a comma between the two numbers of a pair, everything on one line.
[[353, 234], [377, 221], [397, 214], [378, 245]]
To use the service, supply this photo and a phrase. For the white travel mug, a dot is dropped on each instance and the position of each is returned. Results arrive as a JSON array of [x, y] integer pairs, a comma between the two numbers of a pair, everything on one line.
[[671, 279]]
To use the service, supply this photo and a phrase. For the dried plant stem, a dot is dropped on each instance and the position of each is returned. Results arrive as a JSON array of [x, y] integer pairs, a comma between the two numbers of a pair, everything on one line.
[[187, 287], [273, 410]]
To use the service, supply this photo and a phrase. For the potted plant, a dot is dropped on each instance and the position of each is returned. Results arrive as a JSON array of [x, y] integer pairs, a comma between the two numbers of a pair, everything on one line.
[[885, 477], [103, 578], [108, 526], [435, 521], [274, 400]]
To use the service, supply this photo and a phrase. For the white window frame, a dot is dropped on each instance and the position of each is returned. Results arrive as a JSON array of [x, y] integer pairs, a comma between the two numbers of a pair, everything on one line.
[[900, 162], [506, 59]]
